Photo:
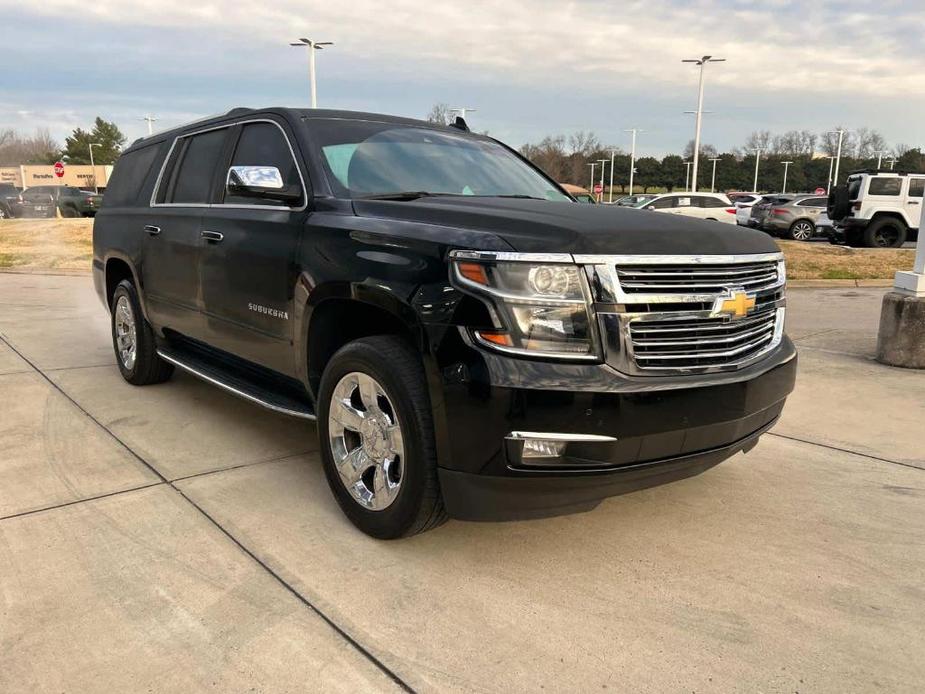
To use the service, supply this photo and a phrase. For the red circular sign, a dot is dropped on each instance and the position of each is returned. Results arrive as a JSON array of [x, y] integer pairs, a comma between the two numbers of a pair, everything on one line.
[[820, 191], [598, 188], [59, 169]]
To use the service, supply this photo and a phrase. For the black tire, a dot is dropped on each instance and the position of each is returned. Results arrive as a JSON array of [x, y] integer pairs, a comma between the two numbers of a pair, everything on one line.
[[393, 363], [801, 230], [69, 212], [4, 213], [885, 233], [148, 367]]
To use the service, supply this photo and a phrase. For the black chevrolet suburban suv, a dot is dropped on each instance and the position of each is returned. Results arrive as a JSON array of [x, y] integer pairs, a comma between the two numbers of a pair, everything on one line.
[[471, 341]]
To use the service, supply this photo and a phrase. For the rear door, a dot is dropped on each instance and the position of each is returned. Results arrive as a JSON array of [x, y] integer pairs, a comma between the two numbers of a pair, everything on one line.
[[171, 244], [247, 268], [913, 202]]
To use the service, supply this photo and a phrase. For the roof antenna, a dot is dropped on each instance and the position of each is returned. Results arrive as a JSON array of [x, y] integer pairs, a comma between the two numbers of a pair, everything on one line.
[[460, 123]]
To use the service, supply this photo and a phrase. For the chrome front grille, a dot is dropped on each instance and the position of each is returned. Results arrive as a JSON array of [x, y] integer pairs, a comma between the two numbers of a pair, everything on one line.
[[674, 279], [672, 314], [701, 342]]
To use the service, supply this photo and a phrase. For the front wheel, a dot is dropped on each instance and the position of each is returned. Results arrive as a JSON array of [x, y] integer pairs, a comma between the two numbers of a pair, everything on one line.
[[801, 230], [69, 212], [377, 438]]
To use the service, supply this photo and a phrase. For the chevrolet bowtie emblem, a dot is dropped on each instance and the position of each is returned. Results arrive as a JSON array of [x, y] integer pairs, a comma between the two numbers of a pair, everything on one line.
[[737, 305]]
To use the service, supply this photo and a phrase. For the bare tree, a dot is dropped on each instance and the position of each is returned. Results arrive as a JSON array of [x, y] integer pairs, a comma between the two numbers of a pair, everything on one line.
[[440, 114], [583, 143], [867, 142], [758, 139], [17, 148]]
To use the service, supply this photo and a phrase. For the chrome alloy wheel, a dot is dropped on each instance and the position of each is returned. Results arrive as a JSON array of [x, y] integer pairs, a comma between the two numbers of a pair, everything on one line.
[[126, 341], [802, 231], [366, 441]]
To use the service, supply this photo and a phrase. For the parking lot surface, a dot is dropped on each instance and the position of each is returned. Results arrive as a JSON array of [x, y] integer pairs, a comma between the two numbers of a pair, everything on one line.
[[175, 538]]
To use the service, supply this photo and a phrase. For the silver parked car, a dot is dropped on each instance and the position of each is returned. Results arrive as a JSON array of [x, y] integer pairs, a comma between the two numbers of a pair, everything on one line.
[[795, 219]]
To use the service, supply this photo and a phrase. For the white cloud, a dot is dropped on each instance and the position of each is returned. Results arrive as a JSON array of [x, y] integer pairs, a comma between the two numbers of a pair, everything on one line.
[[822, 47]]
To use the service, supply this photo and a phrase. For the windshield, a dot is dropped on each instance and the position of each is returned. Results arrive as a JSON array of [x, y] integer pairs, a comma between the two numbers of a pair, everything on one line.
[[366, 158]]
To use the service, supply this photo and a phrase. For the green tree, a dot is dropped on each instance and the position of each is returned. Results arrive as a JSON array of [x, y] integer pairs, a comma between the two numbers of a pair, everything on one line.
[[672, 172], [107, 135], [648, 173]]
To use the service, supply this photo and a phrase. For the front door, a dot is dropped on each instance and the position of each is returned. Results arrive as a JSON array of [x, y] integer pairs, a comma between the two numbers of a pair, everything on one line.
[[171, 244], [247, 268]]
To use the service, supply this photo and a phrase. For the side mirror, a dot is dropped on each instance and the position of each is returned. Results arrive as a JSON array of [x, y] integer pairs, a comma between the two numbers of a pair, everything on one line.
[[260, 182]]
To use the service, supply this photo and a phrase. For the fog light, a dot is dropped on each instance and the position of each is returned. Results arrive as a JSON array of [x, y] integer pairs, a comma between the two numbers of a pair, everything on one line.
[[543, 448]]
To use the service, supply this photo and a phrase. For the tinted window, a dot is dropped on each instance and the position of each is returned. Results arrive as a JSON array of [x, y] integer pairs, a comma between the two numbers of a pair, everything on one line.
[[197, 167], [813, 202], [661, 204], [712, 202], [885, 185], [128, 177], [263, 144], [916, 187]]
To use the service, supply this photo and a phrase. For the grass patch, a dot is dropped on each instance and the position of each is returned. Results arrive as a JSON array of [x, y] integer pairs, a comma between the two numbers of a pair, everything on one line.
[[46, 244], [823, 261]]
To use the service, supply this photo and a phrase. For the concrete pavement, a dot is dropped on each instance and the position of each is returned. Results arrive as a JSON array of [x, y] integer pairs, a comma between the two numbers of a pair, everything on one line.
[[174, 538]]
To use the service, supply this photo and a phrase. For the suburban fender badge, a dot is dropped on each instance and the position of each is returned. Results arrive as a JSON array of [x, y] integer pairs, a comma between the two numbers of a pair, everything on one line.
[[272, 312], [735, 303]]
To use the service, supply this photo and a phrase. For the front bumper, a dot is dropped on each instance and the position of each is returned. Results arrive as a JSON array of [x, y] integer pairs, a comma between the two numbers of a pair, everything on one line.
[[666, 428]]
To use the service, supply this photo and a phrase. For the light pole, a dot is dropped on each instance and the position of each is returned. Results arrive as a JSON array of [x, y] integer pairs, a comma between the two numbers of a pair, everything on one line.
[[828, 188], [757, 159], [603, 166], [687, 176], [713, 178], [892, 161], [841, 135], [632, 155], [591, 187], [880, 153], [701, 62], [151, 119], [786, 166], [613, 155], [312, 47], [96, 188]]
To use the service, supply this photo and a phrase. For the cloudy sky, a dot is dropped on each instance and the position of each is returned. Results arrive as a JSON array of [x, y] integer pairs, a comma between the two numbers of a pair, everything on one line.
[[530, 67]]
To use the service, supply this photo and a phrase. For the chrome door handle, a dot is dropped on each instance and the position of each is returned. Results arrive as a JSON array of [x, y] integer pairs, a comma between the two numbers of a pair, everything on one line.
[[215, 236], [152, 230]]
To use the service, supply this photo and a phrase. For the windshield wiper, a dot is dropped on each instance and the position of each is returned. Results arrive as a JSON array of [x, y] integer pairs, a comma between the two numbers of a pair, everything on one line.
[[402, 195], [515, 196]]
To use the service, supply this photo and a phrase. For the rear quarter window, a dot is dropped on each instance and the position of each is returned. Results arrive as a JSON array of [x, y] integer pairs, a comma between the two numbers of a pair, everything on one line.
[[885, 185], [129, 176], [916, 187]]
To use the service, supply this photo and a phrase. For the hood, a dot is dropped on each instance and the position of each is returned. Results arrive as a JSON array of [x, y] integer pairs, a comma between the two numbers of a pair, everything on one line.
[[541, 226]]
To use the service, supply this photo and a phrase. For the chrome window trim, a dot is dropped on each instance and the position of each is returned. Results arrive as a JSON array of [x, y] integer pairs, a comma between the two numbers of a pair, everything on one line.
[[173, 145]]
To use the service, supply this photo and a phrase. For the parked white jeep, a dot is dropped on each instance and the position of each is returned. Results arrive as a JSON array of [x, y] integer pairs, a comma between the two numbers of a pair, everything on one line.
[[877, 209]]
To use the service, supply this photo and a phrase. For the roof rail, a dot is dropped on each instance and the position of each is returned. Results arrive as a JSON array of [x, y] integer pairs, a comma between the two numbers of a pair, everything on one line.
[[875, 171], [238, 111]]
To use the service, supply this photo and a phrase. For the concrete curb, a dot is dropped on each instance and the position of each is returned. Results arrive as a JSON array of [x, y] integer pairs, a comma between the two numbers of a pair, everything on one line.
[[797, 284], [43, 271]]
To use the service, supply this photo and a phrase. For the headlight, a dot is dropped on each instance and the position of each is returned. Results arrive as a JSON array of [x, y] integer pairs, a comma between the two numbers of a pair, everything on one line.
[[538, 308]]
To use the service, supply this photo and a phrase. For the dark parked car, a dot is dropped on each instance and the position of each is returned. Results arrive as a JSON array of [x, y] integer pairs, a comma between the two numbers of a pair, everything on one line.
[[10, 201], [70, 201], [470, 340]]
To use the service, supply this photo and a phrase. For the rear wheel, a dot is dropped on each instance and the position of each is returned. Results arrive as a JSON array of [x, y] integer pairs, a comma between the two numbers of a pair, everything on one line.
[[801, 230], [377, 438], [133, 340], [69, 212], [885, 233]]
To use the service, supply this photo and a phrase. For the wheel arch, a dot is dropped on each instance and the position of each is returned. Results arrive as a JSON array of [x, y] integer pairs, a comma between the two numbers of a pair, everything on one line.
[[118, 267], [889, 214]]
